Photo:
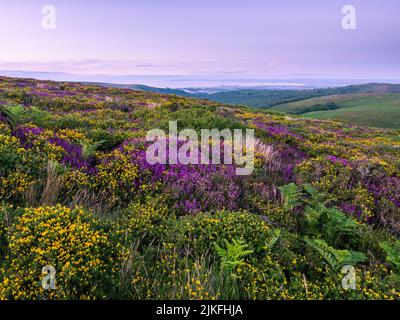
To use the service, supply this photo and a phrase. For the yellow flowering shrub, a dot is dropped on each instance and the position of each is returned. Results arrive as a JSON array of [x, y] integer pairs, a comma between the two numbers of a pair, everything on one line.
[[71, 241], [146, 216], [116, 173], [70, 134], [202, 230], [3, 234], [4, 128]]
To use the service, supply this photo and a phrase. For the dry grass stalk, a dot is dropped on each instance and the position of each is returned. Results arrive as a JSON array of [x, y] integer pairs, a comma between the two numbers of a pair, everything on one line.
[[54, 183]]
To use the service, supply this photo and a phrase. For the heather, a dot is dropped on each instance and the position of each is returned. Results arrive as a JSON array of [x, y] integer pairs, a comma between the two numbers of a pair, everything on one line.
[[76, 192]]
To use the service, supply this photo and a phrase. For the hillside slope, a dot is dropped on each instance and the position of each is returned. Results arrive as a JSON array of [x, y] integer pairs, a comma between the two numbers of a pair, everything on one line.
[[374, 104], [78, 194], [265, 98], [141, 87], [369, 109], [377, 111], [277, 98]]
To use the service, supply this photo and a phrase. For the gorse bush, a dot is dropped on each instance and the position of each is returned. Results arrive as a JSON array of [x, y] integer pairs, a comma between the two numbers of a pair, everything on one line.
[[71, 241], [197, 232], [4, 218], [10, 155]]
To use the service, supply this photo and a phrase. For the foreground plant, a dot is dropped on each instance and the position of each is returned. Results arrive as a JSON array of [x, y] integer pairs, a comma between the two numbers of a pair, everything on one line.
[[76, 245]]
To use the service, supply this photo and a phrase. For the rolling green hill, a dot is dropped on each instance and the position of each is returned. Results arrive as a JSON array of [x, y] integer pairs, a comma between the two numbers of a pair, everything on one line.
[[370, 109], [261, 99], [371, 104], [305, 105], [265, 99], [380, 111]]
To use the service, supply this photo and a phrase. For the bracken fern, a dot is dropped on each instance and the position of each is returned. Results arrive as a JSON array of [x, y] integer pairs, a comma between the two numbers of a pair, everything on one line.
[[233, 255], [290, 196], [334, 257]]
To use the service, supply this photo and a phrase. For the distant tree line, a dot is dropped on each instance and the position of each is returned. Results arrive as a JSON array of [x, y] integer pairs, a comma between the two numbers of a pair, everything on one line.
[[317, 107]]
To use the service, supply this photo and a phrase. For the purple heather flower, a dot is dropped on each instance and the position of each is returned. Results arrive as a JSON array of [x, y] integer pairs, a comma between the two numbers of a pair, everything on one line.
[[388, 188], [277, 130], [350, 209], [72, 153], [207, 186], [335, 159], [289, 157], [24, 134], [194, 188]]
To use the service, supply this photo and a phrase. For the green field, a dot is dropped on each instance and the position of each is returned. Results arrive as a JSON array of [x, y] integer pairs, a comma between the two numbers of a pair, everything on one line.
[[376, 110]]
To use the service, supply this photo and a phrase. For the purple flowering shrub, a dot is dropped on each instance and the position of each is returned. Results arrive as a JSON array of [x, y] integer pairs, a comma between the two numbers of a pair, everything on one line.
[[192, 188], [202, 187], [72, 153]]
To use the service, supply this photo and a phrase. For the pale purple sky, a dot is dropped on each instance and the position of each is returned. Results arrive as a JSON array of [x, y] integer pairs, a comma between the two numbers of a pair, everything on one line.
[[266, 39]]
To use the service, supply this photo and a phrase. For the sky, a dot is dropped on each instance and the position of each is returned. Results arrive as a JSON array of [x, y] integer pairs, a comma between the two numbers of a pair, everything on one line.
[[227, 39]]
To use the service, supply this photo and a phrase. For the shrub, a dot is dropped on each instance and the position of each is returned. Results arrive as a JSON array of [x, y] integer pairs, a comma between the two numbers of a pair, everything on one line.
[[75, 244], [197, 232], [3, 234]]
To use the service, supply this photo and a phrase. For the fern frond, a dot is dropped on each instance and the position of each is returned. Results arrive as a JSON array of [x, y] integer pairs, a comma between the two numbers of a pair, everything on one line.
[[38, 116], [334, 257], [272, 238], [291, 195], [233, 255], [316, 196], [329, 223], [89, 149], [325, 251], [392, 252], [13, 114]]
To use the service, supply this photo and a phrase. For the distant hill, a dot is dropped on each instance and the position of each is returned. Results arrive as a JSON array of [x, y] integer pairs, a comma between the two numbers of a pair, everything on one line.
[[371, 104], [255, 98], [141, 87], [270, 98], [323, 103], [264, 98], [375, 110], [261, 99]]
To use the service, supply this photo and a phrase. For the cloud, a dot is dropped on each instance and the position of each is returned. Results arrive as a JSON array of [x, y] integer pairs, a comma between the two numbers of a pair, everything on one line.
[[92, 66]]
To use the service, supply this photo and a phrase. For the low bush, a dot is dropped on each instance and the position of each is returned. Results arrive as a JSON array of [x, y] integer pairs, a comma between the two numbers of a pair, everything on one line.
[[78, 246]]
